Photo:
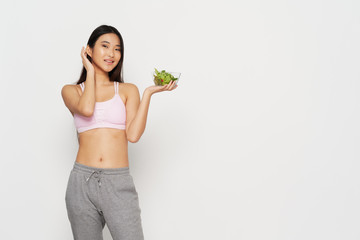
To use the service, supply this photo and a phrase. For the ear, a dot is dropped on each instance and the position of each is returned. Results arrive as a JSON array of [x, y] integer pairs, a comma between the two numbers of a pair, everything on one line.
[[89, 51]]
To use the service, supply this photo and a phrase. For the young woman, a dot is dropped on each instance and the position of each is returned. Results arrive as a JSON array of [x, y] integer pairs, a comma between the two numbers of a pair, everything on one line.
[[107, 114]]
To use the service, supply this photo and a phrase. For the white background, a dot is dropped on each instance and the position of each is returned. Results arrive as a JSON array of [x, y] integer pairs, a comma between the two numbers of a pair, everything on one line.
[[259, 141]]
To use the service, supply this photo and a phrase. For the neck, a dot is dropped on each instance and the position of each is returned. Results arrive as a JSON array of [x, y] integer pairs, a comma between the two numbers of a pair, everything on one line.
[[102, 78]]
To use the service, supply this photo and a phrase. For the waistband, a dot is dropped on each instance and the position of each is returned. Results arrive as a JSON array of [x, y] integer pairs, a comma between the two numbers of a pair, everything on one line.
[[107, 171]]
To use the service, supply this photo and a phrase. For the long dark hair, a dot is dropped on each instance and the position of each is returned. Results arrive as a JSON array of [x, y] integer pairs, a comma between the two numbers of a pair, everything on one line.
[[116, 73]]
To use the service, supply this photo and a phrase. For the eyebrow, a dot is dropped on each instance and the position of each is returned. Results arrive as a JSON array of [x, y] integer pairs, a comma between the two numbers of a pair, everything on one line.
[[108, 42]]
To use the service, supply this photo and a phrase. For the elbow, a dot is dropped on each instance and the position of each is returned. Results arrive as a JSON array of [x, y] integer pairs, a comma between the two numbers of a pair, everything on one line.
[[133, 139], [87, 112]]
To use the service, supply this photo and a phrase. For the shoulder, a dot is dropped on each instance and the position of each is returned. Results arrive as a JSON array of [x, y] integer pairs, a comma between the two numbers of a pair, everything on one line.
[[131, 89], [129, 85], [70, 88]]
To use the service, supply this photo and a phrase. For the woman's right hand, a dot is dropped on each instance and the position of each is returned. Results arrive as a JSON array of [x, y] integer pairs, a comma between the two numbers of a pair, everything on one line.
[[87, 64]]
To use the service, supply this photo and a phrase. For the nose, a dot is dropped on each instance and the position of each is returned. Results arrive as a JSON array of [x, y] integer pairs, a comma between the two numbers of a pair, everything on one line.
[[111, 53]]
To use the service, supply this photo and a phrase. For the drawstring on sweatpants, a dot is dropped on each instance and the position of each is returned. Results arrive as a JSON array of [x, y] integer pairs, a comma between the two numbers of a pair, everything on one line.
[[98, 173]]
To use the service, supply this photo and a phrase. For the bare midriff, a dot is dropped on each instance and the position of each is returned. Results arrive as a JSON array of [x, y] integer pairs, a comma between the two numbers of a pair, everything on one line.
[[103, 148]]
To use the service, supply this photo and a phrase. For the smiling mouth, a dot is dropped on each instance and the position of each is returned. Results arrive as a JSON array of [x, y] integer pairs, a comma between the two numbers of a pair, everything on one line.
[[109, 62]]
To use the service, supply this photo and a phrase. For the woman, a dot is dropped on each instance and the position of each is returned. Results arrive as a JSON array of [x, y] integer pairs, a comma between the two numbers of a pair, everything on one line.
[[107, 114]]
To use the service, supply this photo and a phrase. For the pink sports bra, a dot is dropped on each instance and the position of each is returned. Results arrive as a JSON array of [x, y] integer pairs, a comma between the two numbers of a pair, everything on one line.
[[108, 114]]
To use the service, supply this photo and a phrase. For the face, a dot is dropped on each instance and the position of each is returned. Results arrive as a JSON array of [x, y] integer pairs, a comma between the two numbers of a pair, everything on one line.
[[106, 52]]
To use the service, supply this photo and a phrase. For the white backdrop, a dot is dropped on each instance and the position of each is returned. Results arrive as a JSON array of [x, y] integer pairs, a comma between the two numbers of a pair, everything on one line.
[[259, 141]]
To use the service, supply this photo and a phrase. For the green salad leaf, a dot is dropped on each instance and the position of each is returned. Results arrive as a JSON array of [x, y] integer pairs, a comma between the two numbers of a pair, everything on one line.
[[163, 77]]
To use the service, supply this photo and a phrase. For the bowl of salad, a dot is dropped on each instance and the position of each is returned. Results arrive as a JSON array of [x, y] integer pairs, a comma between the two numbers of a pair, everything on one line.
[[162, 77]]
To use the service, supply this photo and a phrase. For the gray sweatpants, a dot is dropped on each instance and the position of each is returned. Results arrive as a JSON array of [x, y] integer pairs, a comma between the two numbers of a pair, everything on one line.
[[95, 196]]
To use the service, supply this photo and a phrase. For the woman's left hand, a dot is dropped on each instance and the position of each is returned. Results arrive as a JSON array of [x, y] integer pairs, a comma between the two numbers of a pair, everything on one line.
[[168, 87]]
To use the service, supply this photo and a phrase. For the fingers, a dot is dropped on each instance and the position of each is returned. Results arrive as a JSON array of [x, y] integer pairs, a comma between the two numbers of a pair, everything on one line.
[[171, 85], [83, 53]]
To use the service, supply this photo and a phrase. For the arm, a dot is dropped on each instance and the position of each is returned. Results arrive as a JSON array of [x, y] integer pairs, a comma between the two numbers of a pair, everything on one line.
[[87, 99], [84, 104], [136, 113]]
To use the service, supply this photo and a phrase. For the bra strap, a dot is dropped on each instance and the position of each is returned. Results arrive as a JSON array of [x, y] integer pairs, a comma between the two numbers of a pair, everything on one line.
[[116, 87], [82, 86]]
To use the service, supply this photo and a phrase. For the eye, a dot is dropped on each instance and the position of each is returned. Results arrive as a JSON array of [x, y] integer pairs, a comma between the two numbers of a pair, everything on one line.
[[104, 45], [118, 50]]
